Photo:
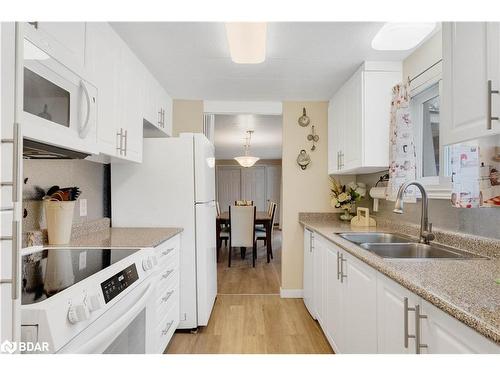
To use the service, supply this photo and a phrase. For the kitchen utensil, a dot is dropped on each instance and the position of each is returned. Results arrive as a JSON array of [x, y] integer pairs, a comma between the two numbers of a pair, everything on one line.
[[304, 120], [313, 137], [303, 159]]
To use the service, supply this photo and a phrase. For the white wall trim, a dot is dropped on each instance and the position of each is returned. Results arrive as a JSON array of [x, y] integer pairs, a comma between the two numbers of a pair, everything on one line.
[[242, 107], [291, 293]]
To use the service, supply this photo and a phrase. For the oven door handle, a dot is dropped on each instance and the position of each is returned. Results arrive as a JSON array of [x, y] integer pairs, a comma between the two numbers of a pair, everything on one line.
[[85, 128], [102, 340]]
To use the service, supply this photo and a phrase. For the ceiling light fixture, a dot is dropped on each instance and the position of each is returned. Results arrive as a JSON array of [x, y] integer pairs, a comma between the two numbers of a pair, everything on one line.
[[247, 41], [401, 36], [247, 161]]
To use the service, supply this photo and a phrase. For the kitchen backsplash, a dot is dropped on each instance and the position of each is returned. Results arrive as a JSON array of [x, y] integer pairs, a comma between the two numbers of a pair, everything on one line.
[[476, 221], [92, 179]]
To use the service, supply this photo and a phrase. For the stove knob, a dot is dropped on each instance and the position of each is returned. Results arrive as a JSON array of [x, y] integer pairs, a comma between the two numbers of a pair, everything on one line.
[[78, 313], [147, 264], [93, 302]]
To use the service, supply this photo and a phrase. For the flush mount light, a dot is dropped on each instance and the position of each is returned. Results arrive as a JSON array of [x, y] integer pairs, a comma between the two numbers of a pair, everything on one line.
[[247, 161], [247, 41], [401, 36]]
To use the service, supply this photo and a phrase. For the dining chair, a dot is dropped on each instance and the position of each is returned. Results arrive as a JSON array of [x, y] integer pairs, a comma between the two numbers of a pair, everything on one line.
[[243, 202], [261, 233], [242, 230], [223, 233]]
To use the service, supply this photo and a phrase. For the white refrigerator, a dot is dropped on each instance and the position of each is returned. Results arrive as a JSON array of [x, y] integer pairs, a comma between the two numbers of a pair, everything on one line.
[[174, 186]]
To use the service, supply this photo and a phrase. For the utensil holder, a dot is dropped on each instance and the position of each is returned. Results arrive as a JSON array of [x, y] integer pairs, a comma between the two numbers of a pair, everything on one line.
[[59, 218]]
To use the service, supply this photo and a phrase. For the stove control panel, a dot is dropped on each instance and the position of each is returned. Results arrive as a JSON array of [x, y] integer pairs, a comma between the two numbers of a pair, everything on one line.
[[119, 282]]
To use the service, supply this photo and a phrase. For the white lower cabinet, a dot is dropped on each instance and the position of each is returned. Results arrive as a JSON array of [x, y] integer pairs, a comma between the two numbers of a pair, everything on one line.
[[308, 272], [320, 281], [362, 311], [391, 315], [350, 292], [359, 305], [443, 334], [167, 291]]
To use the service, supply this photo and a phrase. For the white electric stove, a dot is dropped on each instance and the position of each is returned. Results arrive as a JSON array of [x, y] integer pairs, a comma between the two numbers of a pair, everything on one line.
[[88, 300]]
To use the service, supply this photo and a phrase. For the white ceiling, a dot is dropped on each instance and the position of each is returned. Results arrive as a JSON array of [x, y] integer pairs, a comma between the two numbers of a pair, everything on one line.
[[305, 60], [230, 133]]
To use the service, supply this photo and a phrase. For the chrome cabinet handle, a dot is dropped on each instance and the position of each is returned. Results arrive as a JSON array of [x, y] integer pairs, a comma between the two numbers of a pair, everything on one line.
[[407, 336], [167, 296], [166, 274], [168, 251], [162, 118], [342, 260], [489, 118], [167, 328], [418, 338], [339, 272], [311, 243], [338, 160], [341, 159], [119, 137], [126, 142]]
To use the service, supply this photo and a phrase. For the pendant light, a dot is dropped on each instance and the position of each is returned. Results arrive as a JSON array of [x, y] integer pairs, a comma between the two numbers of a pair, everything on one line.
[[247, 161]]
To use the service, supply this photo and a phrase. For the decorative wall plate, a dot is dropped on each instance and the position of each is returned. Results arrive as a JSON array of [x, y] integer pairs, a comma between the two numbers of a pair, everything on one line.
[[304, 120], [303, 159]]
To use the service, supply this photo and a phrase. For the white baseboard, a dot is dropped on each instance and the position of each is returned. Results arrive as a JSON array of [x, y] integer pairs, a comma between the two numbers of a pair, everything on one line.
[[291, 293]]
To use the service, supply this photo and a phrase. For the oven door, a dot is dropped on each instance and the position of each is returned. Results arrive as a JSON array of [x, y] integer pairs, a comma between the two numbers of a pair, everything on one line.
[[126, 328], [59, 107]]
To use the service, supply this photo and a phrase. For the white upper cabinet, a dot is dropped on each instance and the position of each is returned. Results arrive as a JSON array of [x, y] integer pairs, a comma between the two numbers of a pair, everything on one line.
[[157, 107], [64, 41], [128, 95], [470, 61], [358, 120]]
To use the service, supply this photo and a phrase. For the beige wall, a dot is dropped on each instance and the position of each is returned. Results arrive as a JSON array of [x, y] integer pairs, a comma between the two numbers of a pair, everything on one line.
[[427, 54], [187, 116], [303, 190]]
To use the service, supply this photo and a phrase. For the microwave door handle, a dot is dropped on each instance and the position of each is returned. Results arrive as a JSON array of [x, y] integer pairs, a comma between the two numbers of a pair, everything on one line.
[[103, 339], [84, 128]]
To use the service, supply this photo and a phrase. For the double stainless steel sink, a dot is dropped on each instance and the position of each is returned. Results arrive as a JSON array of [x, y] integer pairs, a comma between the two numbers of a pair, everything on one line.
[[389, 245]]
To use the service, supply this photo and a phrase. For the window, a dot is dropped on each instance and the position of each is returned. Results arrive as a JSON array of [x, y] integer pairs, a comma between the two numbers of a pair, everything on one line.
[[425, 108]]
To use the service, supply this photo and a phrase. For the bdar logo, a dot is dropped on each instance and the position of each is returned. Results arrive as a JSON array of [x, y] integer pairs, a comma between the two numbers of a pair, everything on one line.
[[8, 347]]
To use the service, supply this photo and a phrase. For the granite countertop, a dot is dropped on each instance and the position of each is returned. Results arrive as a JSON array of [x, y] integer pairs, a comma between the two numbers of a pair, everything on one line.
[[465, 289], [126, 237]]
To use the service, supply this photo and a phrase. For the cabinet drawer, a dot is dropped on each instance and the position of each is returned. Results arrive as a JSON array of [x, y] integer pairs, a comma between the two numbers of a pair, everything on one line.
[[168, 250], [168, 274], [167, 327], [166, 300]]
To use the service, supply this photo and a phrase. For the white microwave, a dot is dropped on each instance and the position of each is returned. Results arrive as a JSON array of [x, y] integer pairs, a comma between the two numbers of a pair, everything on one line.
[[59, 107]]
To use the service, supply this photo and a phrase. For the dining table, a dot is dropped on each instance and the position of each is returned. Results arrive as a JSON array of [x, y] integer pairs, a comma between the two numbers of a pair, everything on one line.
[[261, 218]]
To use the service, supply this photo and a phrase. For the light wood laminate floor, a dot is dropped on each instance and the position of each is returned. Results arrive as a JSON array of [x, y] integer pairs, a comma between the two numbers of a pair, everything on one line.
[[250, 317]]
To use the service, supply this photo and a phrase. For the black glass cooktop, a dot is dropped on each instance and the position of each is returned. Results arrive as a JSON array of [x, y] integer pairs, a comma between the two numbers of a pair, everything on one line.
[[50, 271]]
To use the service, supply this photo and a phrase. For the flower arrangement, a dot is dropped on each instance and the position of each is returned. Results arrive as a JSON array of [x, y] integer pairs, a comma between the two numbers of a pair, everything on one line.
[[346, 196]]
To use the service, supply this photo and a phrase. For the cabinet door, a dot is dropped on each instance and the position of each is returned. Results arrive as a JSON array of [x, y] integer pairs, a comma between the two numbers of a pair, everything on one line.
[[391, 317], [308, 272], [103, 55], [65, 41], [351, 150], [319, 286], [333, 136], [465, 81], [130, 100], [493, 46], [335, 328], [444, 334], [359, 305]]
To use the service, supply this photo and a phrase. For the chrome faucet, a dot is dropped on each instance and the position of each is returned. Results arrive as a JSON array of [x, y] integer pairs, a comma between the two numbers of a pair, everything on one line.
[[426, 234]]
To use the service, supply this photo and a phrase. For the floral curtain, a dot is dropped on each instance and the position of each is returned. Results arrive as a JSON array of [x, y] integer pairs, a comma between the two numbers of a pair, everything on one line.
[[402, 157]]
